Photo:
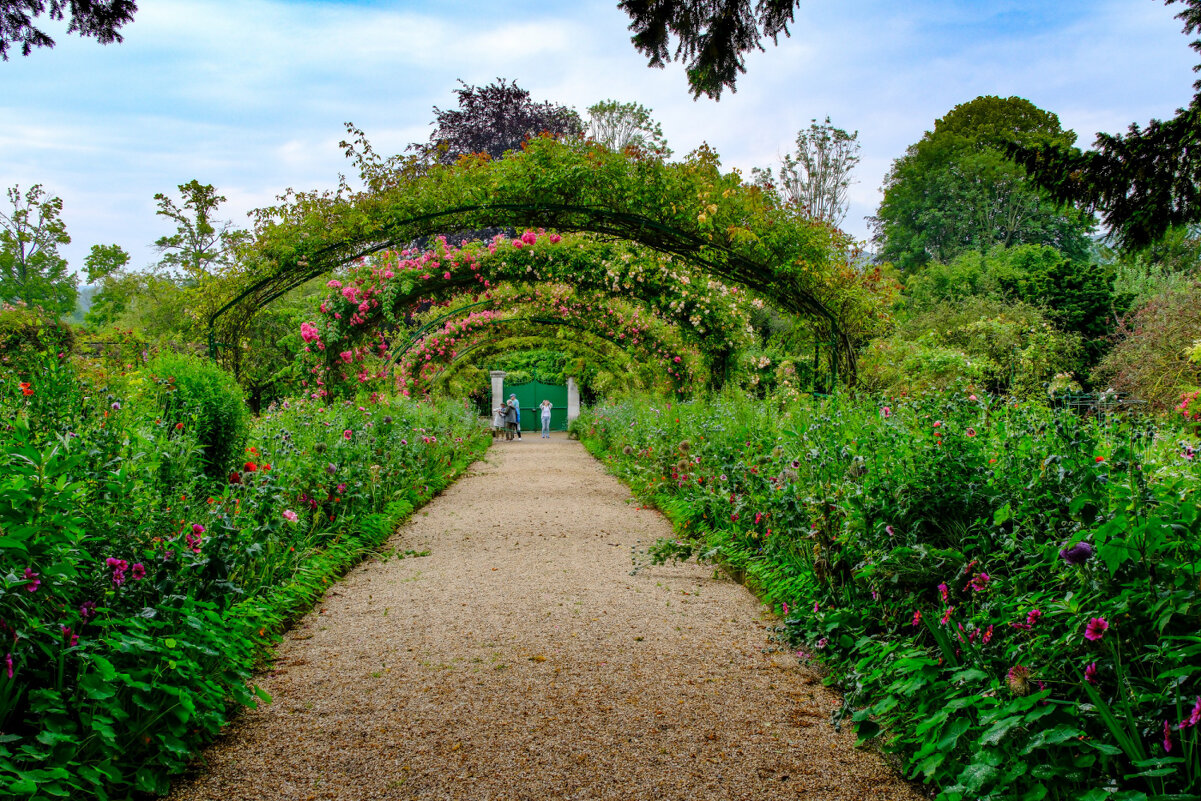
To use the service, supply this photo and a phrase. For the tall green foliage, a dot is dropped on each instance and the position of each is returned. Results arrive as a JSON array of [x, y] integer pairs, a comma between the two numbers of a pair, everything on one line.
[[197, 394]]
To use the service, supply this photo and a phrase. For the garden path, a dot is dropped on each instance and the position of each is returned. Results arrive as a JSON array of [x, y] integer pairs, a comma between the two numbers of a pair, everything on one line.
[[521, 660]]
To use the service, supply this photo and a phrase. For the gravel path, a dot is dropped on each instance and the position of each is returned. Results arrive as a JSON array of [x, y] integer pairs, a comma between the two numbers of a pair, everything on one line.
[[520, 660]]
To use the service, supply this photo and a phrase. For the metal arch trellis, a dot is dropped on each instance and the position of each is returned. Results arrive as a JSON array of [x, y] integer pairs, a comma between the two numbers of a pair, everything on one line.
[[461, 354], [549, 321], [623, 225]]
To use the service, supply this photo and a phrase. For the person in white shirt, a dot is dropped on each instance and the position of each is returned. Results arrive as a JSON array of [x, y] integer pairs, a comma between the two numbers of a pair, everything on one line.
[[546, 419]]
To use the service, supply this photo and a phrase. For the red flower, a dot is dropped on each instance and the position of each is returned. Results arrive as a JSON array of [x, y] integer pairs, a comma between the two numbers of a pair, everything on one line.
[[26, 389], [265, 467], [179, 426], [1100, 459], [251, 467], [235, 477]]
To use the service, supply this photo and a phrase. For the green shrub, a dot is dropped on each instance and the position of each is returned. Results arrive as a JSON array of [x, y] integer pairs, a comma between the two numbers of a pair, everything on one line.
[[200, 395]]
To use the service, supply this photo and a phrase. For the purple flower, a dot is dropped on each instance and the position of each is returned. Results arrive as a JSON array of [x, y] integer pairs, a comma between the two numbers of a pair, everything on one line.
[[1078, 554], [1095, 629], [138, 571], [1090, 672], [331, 469], [1167, 737], [32, 578], [87, 610], [823, 642]]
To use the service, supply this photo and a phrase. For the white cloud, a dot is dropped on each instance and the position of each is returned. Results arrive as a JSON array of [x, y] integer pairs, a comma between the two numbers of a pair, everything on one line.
[[252, 96]]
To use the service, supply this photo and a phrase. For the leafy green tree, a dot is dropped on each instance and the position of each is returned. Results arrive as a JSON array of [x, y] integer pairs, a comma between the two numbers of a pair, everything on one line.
[[98, 18], [1144, 182], [711, 35], [621, 125], [818, 177], [201, 245], [955, 190], [31, 269], [105, 266]]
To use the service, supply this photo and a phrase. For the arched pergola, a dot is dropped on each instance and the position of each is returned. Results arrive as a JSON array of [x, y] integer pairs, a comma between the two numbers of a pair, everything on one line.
[[714, 223]]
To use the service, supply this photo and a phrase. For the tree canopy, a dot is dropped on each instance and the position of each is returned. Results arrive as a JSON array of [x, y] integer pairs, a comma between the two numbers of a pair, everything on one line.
[[711, 36], [494, 119], [955, 190], [31, 269], [1143, 182], [89, 18]]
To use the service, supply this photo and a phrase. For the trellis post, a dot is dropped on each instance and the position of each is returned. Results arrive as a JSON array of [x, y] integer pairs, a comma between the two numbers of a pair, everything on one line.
[[573, 399], [498, 390]]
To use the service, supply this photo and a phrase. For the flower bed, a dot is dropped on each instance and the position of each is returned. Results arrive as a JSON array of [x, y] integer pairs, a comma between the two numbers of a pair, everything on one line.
[[1006, 594], [141, 592]]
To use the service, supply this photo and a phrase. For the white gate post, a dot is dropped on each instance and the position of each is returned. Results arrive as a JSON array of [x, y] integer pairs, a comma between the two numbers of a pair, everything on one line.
[[498, 390], [573, 399]]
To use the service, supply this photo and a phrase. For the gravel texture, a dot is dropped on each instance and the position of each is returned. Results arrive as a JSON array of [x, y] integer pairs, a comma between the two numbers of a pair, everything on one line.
[[521, 660]]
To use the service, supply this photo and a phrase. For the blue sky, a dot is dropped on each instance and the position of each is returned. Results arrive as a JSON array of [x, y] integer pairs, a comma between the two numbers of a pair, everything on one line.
[[253, 101]]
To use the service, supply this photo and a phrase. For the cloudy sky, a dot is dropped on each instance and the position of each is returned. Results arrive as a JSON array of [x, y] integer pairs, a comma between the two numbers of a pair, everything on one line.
[[252, 96]]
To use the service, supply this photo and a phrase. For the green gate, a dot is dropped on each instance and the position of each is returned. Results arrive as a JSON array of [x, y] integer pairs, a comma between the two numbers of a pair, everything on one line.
[[529, 398]]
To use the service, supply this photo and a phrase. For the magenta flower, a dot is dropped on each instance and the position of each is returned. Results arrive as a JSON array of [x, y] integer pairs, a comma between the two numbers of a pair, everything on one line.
[[917, 618], [1032, 617], [944, 591], [1194, 717], [308, 332], [1090, 672], [978, 582], [32, 578], [947, 615], [885, 412], [290, 516], [890, 531], [87, 610], [72, 638], [1095, 629], [1167, 737], [138, 571], [197, 528], [986, 635], [823, 642], [341, 488], [8, 664], [347, 434]]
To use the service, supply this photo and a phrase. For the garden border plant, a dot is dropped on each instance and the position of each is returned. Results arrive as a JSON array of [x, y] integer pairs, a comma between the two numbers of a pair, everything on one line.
[[140, 592], [1007, 594]]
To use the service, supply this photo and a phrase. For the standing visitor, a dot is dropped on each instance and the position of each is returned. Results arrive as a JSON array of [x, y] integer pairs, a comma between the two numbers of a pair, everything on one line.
[[510, 420], [546, 419], [516, 411]]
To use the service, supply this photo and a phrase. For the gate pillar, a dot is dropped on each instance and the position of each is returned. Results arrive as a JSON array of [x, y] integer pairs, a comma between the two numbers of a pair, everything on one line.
[[498, 390], [573, 400]]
